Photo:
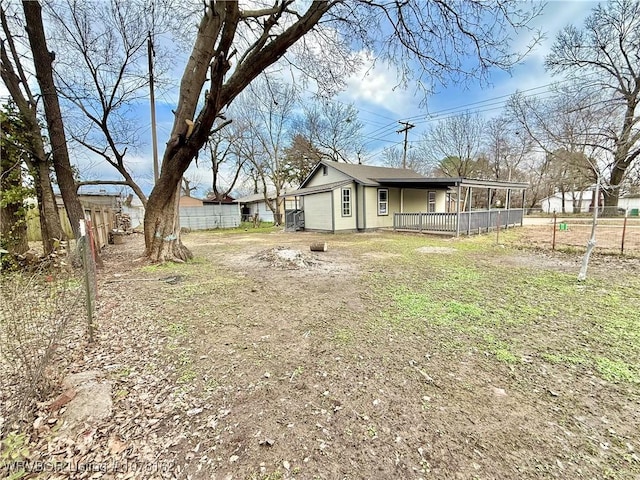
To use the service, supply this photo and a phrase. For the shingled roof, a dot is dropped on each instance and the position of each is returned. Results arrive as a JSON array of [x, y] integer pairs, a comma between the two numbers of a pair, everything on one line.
[[367, 174]]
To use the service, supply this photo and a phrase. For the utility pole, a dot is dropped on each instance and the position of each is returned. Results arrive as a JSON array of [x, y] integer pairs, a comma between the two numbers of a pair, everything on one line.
[[152, 99], [405, 129]]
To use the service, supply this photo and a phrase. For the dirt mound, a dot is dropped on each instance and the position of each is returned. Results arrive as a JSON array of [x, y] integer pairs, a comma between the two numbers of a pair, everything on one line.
[[287, 258]]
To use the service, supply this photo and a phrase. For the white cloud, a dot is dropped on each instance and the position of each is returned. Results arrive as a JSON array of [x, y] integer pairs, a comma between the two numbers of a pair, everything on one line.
[[376, 85]]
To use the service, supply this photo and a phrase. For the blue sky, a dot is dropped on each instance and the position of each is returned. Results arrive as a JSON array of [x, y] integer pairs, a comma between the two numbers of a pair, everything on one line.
[[381, 106]]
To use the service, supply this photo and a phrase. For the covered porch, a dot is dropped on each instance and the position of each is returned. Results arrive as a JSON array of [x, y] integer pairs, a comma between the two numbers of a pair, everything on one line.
[[472, 206]]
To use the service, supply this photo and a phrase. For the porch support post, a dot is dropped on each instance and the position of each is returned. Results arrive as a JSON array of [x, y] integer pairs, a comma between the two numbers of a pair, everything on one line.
[[470, 197], [356, 205], [508, 206], [488, 209], [458, 195], [401, 200], [524, 198]]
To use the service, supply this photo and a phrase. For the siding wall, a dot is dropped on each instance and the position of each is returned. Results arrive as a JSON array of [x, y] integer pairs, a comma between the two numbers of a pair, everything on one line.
[[262, 210], [344, 223], [371, 198], [414, 201], [317, 211], [331, 176], [136, 214], [629, 203], [441, 201], [417, 201]]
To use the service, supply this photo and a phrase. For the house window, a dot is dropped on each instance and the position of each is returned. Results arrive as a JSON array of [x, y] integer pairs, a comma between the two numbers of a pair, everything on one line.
[[325, 170], [346, 202], [383, 201], [431, 202]]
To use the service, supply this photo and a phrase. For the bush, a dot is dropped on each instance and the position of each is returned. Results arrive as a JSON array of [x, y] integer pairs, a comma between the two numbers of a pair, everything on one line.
[[35, 309]]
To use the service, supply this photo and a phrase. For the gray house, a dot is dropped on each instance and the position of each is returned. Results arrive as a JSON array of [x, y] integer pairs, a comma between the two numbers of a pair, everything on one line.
[[348, 197]]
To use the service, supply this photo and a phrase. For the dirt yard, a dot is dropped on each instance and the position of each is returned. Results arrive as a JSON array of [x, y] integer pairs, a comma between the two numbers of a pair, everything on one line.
[[389, 356]]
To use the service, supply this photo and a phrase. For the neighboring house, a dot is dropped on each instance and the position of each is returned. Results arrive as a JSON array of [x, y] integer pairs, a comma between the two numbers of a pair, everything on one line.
[[348, 197], [187, 201], [209, 214], [581, 202], [256, 203], [631, 204], [574, 202]]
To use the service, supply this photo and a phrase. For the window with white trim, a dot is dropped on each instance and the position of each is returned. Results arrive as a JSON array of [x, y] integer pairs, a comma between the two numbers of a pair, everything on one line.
[[383, 201], [431, 202], [346, 202]]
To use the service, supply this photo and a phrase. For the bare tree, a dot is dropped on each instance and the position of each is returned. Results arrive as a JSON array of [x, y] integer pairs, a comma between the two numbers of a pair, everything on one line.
[[102, 70], [268, 107], [332, 128], [454, 144], [234, 45], [604, 53], [190, 184], [15, 79], [393, 157], [227, 154], [566, 128], [505, 148]]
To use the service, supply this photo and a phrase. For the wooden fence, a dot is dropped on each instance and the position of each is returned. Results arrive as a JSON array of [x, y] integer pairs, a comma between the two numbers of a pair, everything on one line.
[[102, 222]]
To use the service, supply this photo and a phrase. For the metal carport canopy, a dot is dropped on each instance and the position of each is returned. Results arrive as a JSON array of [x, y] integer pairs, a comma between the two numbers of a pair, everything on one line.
[[448, 182]]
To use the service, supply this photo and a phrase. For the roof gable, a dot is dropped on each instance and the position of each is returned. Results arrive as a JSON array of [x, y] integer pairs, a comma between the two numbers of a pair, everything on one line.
[[364, 174]]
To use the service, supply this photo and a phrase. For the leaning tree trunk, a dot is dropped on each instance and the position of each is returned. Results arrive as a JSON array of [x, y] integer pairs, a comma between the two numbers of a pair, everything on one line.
[[161, 218], [42, 61], [209, 60]]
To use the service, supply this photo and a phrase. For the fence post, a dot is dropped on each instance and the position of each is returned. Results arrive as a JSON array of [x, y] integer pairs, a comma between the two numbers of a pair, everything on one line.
[[88, 284], [553, 240], [624, 232]]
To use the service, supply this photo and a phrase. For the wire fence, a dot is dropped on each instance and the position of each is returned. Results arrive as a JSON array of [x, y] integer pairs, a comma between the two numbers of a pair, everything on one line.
[[615, 233], [41, 302]]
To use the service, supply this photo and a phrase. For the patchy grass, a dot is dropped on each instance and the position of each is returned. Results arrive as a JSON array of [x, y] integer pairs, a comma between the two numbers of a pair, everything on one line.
[[512, 312], [246, 228]]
